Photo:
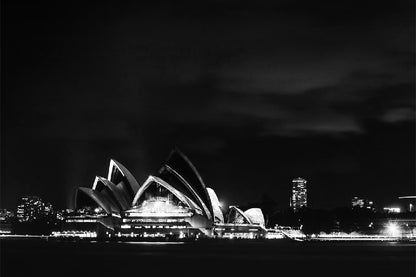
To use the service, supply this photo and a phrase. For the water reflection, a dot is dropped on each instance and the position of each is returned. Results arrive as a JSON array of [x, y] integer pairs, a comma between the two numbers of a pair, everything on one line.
[[152, 242]]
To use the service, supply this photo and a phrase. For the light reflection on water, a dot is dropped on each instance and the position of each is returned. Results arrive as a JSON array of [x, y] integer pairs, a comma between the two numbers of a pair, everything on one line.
[[152, 242]]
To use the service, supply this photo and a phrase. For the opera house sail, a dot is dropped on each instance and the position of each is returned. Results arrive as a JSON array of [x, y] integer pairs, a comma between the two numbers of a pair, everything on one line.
[[174, 203], [247, 224]]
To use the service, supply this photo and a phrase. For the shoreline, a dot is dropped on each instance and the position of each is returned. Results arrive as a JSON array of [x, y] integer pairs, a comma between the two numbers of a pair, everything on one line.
[[49, 238]]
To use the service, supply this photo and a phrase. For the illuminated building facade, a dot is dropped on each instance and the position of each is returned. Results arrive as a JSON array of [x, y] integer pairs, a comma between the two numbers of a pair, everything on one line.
[[393, 210], [6, 218], [357, 202], [32, 208], [173, 203], [299, 194], [6, 215], [363, 203]]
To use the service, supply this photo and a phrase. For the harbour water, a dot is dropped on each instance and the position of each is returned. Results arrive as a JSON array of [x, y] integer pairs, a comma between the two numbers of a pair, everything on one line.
[[212, 258]]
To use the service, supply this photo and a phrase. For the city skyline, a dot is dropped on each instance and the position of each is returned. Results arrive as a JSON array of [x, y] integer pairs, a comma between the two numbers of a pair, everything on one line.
[[298, 194], [175, 203]]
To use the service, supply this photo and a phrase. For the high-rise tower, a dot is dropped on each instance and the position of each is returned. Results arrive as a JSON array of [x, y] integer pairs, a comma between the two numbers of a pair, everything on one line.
[[299, 195]]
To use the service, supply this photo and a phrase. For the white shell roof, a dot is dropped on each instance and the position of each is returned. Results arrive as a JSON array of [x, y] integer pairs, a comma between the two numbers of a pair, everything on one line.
[[215, 205], [255, 215]]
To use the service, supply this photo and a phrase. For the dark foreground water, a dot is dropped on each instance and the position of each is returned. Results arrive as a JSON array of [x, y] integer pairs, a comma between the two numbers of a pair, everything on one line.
[[216, 258]]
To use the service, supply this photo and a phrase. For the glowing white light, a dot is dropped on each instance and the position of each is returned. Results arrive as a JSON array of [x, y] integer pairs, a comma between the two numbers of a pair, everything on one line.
[[392, 210], [80, 234], [393, 229]]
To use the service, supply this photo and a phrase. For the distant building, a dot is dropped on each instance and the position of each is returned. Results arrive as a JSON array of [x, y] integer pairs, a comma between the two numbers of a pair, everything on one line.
[[6, 215], [48, 209], [6, 218], [357, 202], [32, 208], [362, 203], [299, 194]]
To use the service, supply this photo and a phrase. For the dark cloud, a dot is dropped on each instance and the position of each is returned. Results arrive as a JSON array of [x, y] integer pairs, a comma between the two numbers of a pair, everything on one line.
[[399, 115]]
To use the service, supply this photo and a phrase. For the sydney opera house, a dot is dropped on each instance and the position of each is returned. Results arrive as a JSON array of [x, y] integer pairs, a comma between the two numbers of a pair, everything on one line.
[[174, 203]]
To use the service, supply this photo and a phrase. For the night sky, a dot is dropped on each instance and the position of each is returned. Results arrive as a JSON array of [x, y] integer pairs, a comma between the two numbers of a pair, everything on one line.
[[254, 93]]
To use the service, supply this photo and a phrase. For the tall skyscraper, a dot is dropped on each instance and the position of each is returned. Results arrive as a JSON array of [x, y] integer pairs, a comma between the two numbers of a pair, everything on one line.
[[299, 194]]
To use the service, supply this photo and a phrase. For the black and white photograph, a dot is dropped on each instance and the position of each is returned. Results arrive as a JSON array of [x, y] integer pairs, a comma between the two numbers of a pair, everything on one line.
[[208, 138]]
